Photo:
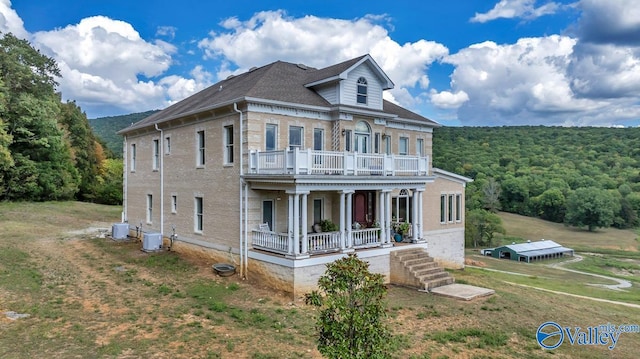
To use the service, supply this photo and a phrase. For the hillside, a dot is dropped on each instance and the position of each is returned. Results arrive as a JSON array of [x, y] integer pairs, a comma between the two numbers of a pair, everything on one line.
[[538, 168], [107, 127]]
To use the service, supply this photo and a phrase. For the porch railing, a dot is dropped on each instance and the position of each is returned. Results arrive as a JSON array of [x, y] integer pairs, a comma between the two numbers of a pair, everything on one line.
[[271, 241], [308, 161], [324, 242]]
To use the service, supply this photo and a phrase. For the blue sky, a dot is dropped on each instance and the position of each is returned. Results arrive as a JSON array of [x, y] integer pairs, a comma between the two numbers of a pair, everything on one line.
[[460, 63]]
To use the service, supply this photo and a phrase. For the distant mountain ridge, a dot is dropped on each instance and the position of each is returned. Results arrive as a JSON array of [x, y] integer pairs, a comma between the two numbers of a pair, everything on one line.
[[107, 127]]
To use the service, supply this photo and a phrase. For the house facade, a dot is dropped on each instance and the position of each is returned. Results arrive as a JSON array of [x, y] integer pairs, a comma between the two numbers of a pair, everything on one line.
[[285, 168]]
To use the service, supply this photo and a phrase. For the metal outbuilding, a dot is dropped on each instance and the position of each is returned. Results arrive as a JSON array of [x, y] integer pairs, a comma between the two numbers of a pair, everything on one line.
[[529, 252]]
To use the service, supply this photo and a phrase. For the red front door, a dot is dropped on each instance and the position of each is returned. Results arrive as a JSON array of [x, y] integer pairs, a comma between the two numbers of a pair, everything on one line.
[[364, 207]]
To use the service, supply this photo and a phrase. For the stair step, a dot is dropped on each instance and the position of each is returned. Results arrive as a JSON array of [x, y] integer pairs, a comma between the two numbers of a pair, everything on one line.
[[433, 276], [437, 283], [417, 261], [426, 271], [421, 266]]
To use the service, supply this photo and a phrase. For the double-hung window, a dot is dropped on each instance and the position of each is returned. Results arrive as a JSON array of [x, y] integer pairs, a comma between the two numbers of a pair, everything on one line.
[[296, 136], [156, 155], [228, 144], [403, 146], [270, 135], [133, 157], [362, 91], [198, 215], [200, 148]]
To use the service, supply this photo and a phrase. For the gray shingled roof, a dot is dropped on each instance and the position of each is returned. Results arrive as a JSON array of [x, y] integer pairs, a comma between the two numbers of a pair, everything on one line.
[[278, 81]]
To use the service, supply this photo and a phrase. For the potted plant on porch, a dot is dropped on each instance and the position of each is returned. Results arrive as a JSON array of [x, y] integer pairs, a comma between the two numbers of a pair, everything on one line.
[[401, 230]]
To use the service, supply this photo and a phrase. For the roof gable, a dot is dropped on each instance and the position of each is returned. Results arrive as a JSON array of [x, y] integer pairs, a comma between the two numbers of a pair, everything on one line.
[[341, 71]]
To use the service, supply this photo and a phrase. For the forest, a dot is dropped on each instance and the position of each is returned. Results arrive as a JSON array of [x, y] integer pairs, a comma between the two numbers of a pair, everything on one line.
[[48, 150], [583, 176]]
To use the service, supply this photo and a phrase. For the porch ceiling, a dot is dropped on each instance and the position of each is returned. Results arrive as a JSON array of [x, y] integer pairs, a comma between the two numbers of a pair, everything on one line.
[[335, 182]]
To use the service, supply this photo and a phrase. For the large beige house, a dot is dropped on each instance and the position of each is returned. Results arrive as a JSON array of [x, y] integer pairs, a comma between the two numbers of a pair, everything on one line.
[[256, 168]]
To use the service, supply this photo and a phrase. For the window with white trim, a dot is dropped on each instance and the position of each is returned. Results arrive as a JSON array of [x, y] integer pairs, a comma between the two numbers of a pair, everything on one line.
[[458, 207], [200, 148], [174, 204], [228, 144], [133, 157], [270, 137], [420, 147], [450, 209], [198, 215], [362, 91], [443, 208], [149, 208], [156, 154], [403, 146], [167, 145], [296, 137]]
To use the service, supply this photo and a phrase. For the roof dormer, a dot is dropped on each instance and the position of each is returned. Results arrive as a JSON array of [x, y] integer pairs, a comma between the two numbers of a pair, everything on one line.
[[357, 82]]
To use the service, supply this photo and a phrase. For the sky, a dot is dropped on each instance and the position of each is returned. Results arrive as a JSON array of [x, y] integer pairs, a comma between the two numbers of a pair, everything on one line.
[[459, 63]]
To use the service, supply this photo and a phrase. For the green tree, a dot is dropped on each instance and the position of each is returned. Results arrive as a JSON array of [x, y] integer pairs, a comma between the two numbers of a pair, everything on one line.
[[481, 226], [592, 207], [109, 182], [491, 199], [351, 322], [551, 205], [42, 167]]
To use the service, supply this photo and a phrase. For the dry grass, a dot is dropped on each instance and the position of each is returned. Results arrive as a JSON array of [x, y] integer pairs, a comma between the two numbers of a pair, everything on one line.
[[92, 297]]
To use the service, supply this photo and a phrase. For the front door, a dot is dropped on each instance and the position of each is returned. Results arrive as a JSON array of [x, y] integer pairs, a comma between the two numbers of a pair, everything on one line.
[[364, 207]]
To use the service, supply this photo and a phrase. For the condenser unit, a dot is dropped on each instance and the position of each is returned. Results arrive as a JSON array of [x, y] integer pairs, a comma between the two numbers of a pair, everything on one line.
[[152, 242], [120, 231]]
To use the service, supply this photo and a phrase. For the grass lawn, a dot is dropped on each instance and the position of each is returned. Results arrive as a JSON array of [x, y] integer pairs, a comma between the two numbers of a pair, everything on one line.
[[90, 297]]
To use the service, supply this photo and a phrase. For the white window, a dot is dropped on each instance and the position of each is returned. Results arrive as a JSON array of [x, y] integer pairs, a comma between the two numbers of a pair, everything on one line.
[[401, 206], [318, 210], [362, 91], [198, 215], [443, 208], [420, 147], [133, 157], [450, 209], [296, 137], [347, 140], [376, 143], [167, 145], [156, 154], [200, 148], [268, 213], [270, 137], [403, 146], [387, 145], [174, 204], [228, 144], [149, 208], [458, 207]]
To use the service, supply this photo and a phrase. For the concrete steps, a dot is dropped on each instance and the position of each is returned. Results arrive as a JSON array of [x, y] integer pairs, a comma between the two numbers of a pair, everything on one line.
[[414, 268]]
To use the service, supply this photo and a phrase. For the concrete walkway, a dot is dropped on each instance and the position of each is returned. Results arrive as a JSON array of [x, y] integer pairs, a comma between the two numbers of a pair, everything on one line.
[[462, 291]]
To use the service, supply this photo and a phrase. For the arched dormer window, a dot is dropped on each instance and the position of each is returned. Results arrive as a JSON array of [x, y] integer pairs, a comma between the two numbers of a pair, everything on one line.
[[362, 91]]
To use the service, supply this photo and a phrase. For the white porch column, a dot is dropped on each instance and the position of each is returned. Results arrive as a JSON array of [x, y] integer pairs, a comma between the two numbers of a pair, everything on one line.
[[349, 239], [382, 215], [415, 236], [290, 224], [387, 201], [342, 220], [305, 241], [296, 224], [421, 215]]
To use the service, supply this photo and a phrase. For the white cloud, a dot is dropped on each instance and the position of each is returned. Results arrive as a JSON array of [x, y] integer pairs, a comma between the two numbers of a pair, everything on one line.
[[510, 9], [609, 21], [517, 83], [10, 21], [105, 61], [271, 35], [448, 100]]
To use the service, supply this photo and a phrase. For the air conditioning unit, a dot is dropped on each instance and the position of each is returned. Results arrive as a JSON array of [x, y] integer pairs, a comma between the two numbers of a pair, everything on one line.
[[120, 231], [152, 242]]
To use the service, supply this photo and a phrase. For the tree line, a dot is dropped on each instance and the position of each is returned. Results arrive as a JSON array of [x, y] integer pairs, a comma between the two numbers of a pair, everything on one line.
[[47, 148], [583, 176]]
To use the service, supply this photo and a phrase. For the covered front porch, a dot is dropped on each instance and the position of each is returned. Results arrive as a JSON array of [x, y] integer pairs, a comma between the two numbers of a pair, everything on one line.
[[338, 214]]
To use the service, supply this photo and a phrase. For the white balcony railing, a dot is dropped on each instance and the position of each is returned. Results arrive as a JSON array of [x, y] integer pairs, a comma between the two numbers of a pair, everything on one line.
[[336, 163]]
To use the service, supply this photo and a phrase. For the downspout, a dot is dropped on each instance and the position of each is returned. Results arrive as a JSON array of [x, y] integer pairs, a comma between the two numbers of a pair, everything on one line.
[[243, 273], [160, 154], [124, 181]]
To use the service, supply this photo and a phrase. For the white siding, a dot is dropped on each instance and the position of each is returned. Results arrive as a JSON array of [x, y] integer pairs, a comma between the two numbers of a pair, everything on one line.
[[348, 88], [329, 92]]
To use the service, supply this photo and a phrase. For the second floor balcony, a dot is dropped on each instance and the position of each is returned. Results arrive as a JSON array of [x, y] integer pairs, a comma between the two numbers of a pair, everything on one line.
[[313, 162]]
